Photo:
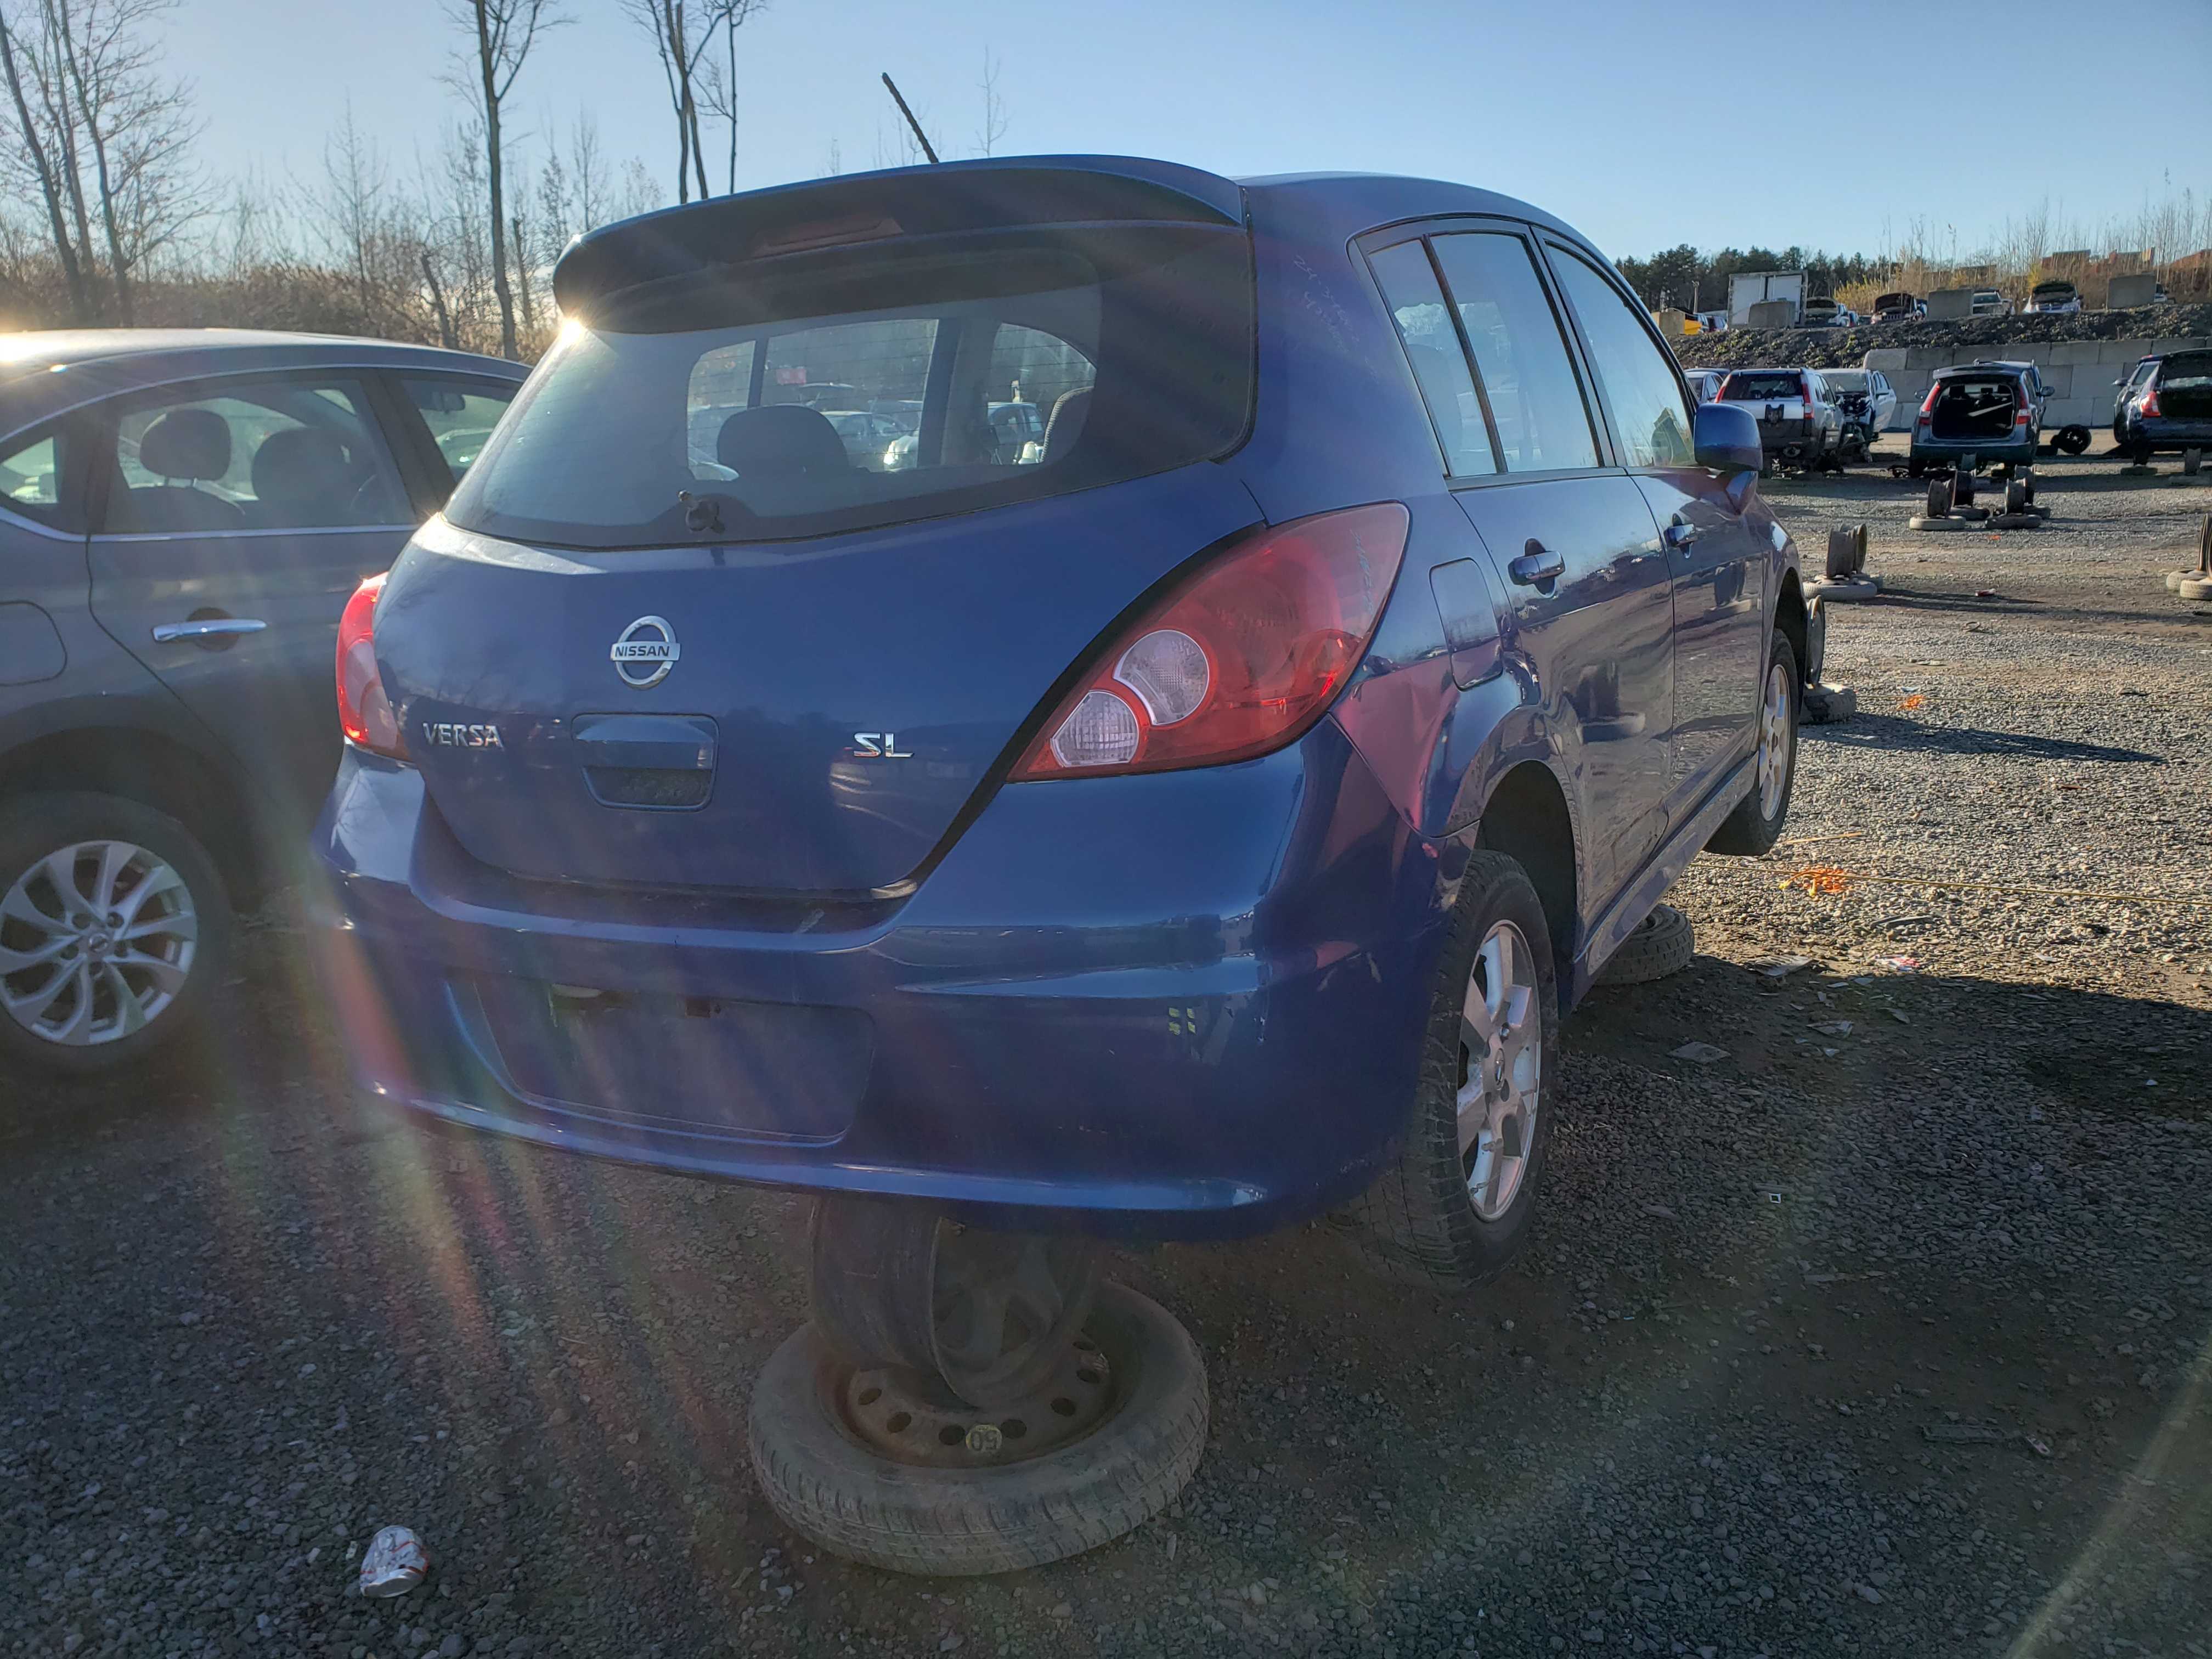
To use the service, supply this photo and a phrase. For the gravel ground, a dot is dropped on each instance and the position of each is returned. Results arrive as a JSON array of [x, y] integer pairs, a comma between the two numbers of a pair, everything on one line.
[[243, 1323]]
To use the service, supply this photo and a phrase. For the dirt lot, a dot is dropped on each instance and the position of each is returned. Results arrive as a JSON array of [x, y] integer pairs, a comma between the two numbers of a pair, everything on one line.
[[242, 1324]]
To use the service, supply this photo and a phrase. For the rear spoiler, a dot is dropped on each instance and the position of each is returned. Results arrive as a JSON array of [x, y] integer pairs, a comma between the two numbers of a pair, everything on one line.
[[992, 193]]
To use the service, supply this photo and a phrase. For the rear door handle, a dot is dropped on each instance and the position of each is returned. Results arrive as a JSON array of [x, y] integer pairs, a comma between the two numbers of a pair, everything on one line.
[[206, 628], [1680, 533], [1536, 566]]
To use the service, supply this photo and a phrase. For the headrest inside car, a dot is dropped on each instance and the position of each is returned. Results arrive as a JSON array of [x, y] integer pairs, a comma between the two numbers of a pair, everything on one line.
[[780, 440], [186, 443]]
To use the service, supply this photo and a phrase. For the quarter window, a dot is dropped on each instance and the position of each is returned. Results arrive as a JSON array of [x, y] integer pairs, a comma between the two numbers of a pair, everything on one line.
[[30, 478], [265, 455], [1543, 423], [1424, 324]]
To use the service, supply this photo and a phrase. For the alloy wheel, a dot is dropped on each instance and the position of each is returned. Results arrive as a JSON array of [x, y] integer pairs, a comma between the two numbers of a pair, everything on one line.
[[1501, 1070], [96, 940], [1774, 742]]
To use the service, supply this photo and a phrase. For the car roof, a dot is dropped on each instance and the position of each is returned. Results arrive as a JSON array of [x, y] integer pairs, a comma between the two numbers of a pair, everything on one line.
[[44, 372]]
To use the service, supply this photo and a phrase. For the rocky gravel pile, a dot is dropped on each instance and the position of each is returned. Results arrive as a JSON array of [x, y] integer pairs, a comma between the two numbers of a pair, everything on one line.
[[1885, 1331], [1846, 347]]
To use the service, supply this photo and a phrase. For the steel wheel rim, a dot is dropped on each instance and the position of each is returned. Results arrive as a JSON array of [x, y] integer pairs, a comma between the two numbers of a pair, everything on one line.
[[1773, 742], [1501, 1070], [96, 940]]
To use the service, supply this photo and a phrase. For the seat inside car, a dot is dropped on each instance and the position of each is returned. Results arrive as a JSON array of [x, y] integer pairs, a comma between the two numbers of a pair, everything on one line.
[[303, 476], [189, 444]]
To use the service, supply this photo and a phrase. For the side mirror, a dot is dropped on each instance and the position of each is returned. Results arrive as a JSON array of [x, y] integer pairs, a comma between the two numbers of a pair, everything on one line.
[[1726, 438]]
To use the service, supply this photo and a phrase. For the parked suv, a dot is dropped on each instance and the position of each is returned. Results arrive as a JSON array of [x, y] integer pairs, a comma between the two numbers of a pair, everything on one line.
[[1181, 833], [1865, 399], [182, 517], [1799, 424], [1992, 412], [2165, 405]]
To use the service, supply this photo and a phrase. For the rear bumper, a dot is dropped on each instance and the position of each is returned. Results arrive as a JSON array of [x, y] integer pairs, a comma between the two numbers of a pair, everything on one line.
[[2164, 432], [1183, 1005], [1948, 451]]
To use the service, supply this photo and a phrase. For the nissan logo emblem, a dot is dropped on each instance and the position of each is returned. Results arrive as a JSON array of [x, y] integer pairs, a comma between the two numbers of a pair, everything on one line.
[[645, 651]]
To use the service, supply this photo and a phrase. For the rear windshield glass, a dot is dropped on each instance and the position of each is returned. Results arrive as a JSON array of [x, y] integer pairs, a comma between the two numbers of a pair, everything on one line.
[[875, 388], [1753, 387]]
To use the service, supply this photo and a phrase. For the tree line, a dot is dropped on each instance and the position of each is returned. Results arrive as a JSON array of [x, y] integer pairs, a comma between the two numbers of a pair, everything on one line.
[[2167, 236], [108, 218]]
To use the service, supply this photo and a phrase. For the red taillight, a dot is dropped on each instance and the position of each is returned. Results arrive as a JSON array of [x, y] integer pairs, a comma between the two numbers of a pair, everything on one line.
[[1928, 408], [2021, 415], [1239, 661], [365, 714], [2148, 404]]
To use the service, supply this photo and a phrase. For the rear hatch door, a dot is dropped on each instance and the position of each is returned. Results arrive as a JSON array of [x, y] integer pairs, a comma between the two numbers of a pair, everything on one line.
[[676, 633]]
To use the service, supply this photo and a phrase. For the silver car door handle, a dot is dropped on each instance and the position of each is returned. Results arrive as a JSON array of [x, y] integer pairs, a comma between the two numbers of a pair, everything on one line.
[[1679, 534], [1537, 566], [165, 632]]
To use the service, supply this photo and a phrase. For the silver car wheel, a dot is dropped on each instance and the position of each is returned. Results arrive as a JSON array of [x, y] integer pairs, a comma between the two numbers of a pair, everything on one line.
[[1501, 1064], [1774, 742], [96, 940]]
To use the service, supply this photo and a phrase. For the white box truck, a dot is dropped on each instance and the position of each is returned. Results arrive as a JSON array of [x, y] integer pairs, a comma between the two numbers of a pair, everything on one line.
[[1752, 288]]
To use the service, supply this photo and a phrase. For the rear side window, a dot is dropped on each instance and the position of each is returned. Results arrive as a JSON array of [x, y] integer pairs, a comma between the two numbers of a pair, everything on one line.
[[875, 387], [1643, 395], [1533, 396], [1424, 324], [461, 414], [31, 478], [278, 454]]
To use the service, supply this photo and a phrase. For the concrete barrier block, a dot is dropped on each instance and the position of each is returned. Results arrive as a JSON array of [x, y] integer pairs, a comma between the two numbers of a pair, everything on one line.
[[1888, 359], [2077, 351], [2127, 291], [2058, 379], [1949, 304], [2070, 411], [2162, 347], [1926, 357]]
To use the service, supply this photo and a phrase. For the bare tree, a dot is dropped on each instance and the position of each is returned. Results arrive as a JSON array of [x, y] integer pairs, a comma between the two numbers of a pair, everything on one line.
[[504, 30], [684, 32], [994, 107], [33, 140], [90, 97]]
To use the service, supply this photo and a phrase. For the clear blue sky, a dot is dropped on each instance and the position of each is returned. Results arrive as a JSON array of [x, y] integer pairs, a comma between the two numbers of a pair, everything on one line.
[[1619, 117]]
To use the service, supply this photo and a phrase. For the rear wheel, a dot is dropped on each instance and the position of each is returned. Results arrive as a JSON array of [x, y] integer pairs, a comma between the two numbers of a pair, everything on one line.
[[1663, 943], [1454, 1209], [1756, 823], [114, 931]]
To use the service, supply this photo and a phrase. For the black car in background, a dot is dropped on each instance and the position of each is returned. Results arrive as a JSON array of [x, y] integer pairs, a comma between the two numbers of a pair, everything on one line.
[[2165, 404], [183, 515]]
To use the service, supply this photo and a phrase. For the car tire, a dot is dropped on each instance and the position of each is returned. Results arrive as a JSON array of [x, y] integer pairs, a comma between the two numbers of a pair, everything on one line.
[[2195, 589], [2072, 440], [1663, 943], [1915, 469], [1422, 1221], [859, 1504], [1756, 823], [1939, 497], [84, 1026]]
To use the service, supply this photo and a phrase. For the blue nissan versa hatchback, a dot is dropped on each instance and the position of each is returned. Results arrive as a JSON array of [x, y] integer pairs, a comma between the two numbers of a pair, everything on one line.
[[1186, 821]]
